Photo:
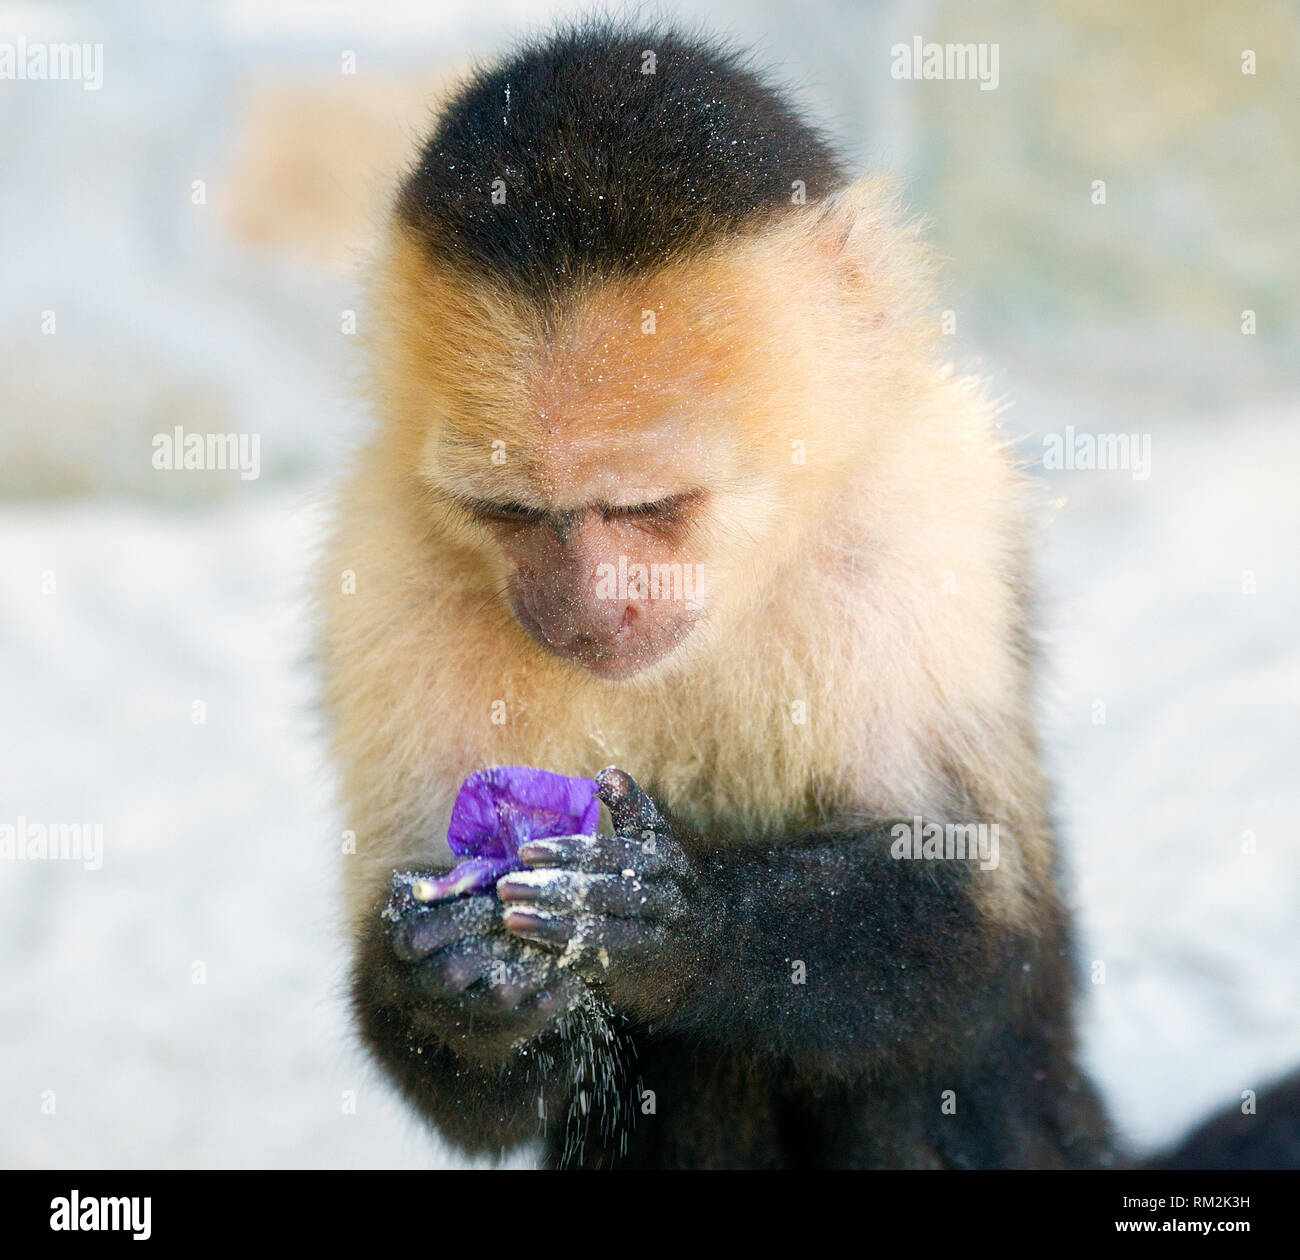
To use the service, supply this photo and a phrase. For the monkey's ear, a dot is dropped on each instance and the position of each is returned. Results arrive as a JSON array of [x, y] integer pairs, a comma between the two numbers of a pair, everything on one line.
[[851, 221], [863, 232]]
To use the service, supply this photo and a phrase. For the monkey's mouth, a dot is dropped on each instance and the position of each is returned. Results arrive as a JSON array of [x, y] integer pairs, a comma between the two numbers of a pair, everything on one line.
[[613, 657]]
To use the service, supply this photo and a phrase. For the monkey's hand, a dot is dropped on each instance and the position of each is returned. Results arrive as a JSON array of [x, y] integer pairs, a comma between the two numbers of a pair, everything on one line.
[[464, 981], [619, 906]]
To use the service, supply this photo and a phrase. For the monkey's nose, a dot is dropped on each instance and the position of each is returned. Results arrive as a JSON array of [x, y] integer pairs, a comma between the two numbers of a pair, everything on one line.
[[605, 624]]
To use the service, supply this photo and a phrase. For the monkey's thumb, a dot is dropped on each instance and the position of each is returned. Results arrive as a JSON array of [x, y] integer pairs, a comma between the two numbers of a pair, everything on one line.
[[629, 807]]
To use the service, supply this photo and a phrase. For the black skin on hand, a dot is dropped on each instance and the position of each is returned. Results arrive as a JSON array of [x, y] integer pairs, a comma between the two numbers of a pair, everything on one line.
[[467, 1013], [704, 944], [487, 973], [467, 981], [907, 988], [622, 901]]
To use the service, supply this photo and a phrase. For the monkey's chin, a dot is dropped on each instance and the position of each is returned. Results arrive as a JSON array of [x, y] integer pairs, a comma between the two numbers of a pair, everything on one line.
[[621, 666], [616, 665]]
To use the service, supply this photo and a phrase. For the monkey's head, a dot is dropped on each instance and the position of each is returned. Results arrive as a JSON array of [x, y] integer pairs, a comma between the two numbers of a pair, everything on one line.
[[580, 497], [627, 394]]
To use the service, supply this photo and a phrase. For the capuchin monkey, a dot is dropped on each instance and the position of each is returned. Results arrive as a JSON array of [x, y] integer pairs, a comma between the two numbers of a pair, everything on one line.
[[670, 477]]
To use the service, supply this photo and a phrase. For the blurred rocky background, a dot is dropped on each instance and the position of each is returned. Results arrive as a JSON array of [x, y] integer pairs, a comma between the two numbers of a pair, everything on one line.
[[180, 247]]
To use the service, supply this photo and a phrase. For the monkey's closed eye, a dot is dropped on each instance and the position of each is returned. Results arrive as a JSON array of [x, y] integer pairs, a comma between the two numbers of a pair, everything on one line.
[[512, 513], [669, 511]]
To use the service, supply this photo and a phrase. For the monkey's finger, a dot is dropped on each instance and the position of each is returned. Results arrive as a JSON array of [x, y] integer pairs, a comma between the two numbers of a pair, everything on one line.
[[599, 855], [425, 931], [632, 811], [547, 927], [457, 968], [588, 932], [523, 1010], [575, 892], [517, 988], [620, 936]]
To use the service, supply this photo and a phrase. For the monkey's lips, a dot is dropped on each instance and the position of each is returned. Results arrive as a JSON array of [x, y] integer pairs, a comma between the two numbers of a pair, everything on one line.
[[613, 657]]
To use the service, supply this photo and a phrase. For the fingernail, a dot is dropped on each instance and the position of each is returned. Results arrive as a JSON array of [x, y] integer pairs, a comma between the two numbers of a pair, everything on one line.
[[614, 783], [537, 851], [520, 921], [516, 890]]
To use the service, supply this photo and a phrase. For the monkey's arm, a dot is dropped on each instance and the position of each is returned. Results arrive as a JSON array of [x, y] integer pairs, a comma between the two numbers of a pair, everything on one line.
[[446, 999], [897, 956]]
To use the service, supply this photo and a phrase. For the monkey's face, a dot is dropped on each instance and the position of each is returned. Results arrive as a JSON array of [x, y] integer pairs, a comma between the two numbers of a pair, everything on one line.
[[599, 532], [631, 467], [596, 526], [610, 586]]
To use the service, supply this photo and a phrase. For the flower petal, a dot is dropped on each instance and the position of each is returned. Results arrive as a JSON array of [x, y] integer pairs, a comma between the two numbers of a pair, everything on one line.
[[498, 810], [471, 875]]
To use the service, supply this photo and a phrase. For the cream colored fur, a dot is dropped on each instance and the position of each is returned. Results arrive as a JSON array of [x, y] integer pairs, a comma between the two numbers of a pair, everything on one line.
[[863, 540]]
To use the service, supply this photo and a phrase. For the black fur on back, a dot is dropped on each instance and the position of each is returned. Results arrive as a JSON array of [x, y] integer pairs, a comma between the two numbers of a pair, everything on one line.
[[607, 169]]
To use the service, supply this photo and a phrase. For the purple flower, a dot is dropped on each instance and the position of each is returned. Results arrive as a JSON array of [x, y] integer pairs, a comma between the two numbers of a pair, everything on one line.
[[497, 811]]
